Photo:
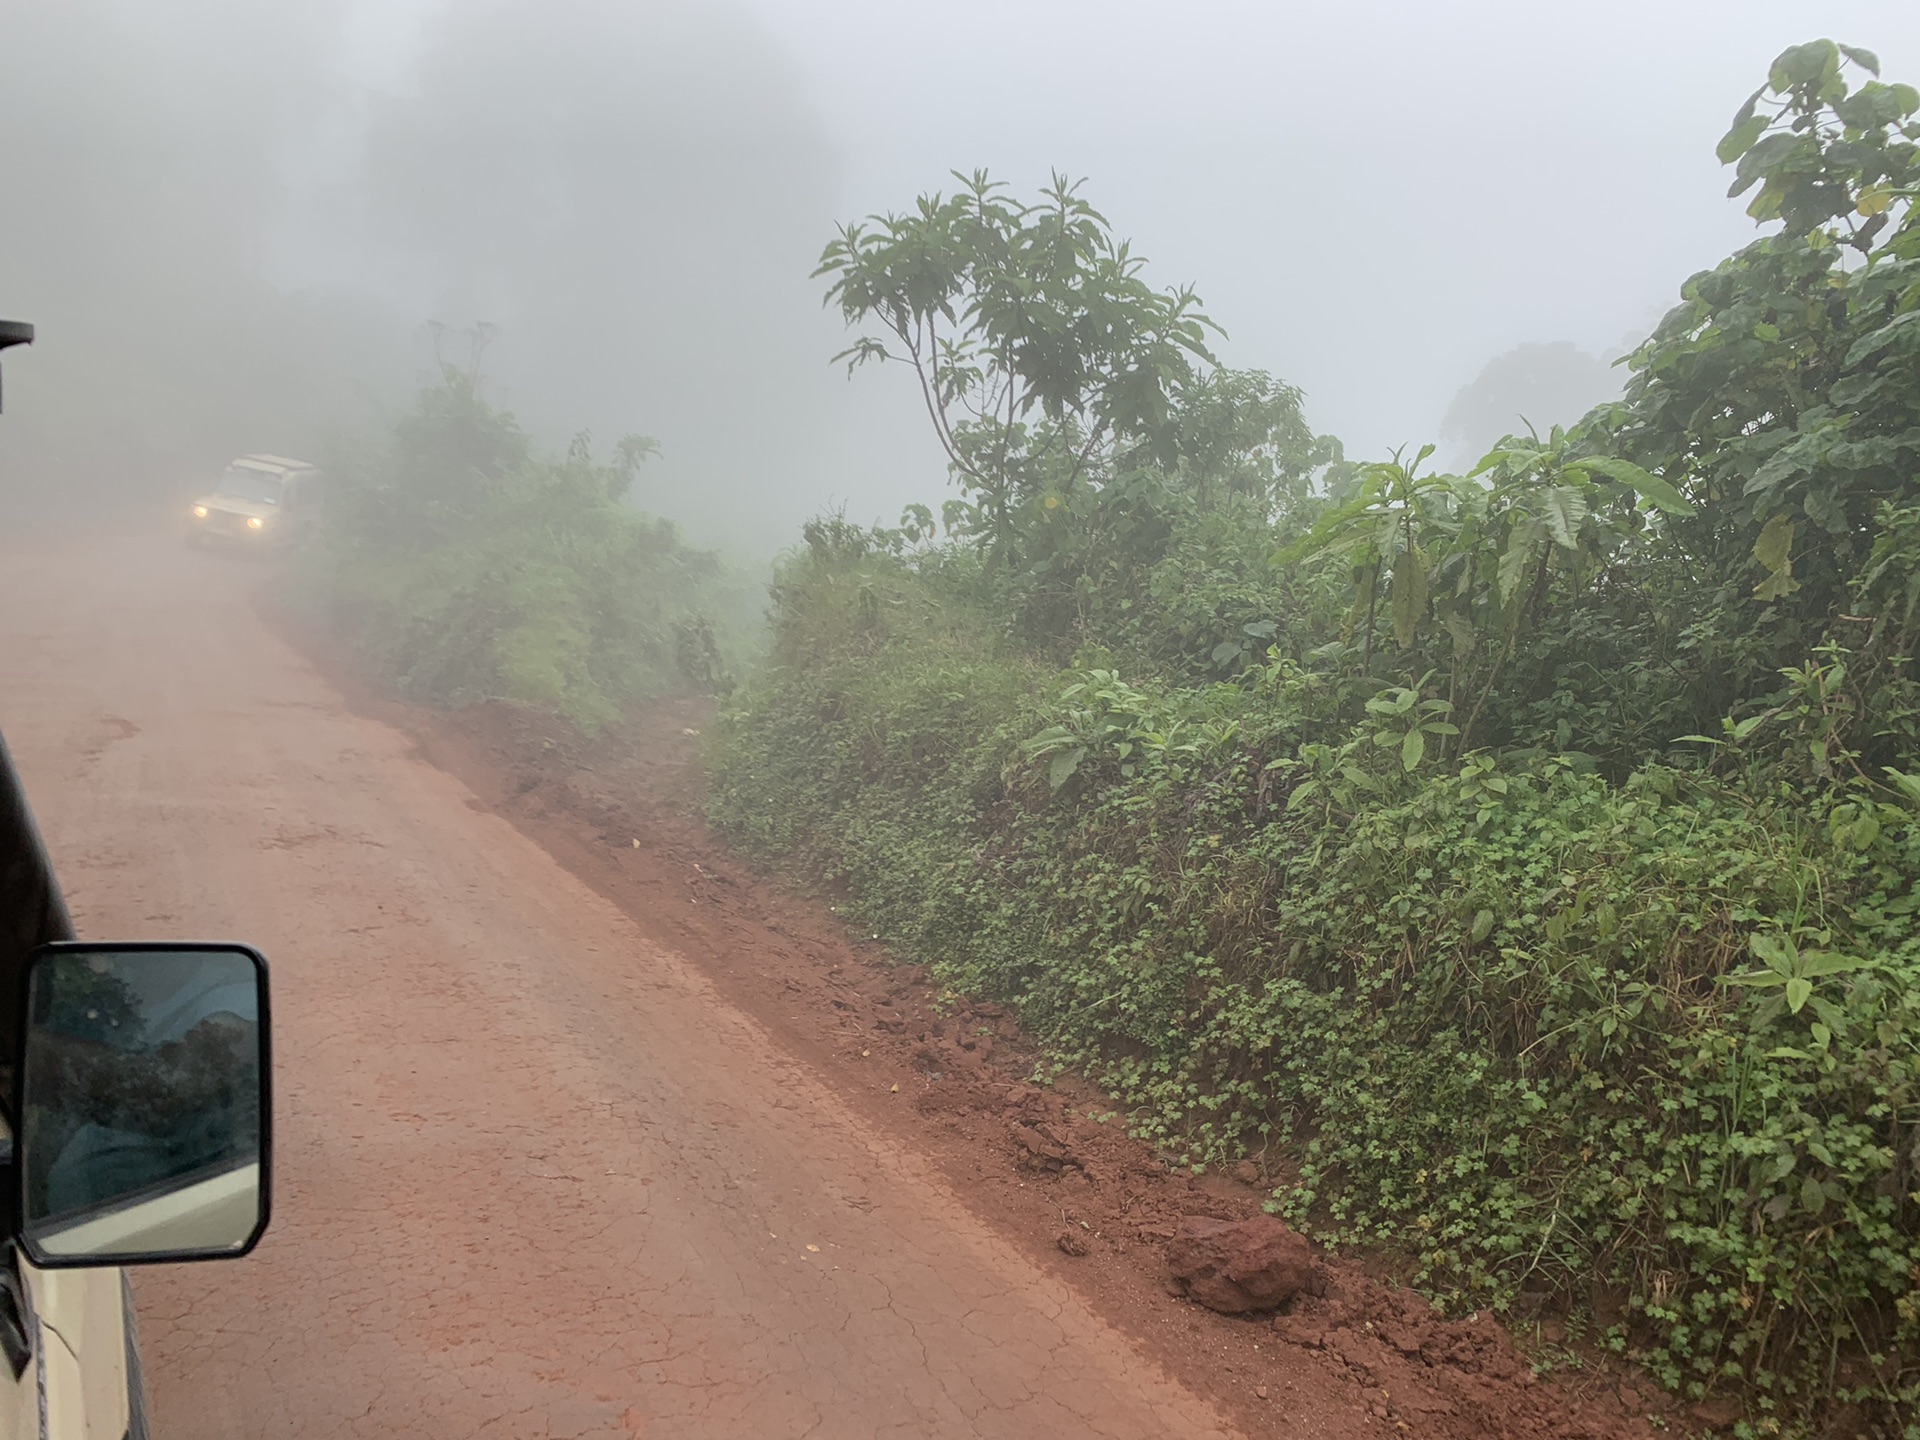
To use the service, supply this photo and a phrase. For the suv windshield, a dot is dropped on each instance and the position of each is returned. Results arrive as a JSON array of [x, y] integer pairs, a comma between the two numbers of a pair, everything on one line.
[[251, 485]]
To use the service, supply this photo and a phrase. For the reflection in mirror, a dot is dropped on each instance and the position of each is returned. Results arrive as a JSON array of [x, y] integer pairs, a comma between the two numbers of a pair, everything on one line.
[[142, 1104]]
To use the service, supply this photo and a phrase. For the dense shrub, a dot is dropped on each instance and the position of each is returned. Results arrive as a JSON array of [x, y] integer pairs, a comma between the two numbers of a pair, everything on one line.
[[1524, 863], [461, 566], [1527, 1024]]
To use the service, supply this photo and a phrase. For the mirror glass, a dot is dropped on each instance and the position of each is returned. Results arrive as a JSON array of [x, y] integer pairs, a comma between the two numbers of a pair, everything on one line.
[[142, 1104]]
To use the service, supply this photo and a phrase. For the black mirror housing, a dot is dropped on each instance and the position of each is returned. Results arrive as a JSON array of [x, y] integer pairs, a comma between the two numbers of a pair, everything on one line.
[[15, 332], [142, 1104]]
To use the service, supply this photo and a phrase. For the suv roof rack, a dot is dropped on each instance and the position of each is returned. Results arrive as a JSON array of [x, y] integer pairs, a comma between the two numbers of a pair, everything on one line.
[[272, 462]]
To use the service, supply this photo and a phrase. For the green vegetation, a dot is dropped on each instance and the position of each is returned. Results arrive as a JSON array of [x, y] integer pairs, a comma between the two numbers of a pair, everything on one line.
[[1522, 863], [461, 566]]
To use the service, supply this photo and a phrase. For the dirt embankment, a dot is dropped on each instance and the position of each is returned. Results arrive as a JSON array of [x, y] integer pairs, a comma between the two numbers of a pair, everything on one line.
[[950, 1079]]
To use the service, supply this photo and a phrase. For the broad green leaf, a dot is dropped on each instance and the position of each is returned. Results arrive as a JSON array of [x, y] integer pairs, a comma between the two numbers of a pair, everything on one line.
[[1766, 205], [1831, 962], [1773, 549], [1776, 586], [1563, 510], [1404, 617], [1900, 329], [1356, 776], [1831, 1015], [1813, 63], [1053, 734], [1777, 951], [1737, 141], [1328, 526], [1409, 595], [1396, 701], [1868, 108], [1482, 926], [1865, 59], [1412, 749], [1461, 630], [1798, 989], [1813, 1195], [1644, 483], [1785, 463], [1827, 510], [1063, 765], [1907, 785], [1767, 155], [1515, 561]]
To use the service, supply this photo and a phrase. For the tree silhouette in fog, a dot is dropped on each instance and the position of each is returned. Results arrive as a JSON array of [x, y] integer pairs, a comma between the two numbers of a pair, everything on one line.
[[1541, 385], [635, 194]]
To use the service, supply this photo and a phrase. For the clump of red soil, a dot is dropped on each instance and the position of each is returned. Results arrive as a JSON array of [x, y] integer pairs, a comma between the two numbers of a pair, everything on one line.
[[1430, 1367], [1239, 1266]]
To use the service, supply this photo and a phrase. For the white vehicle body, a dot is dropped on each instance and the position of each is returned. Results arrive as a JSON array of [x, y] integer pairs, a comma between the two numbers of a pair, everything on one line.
[[261, 501], [80, 1377]]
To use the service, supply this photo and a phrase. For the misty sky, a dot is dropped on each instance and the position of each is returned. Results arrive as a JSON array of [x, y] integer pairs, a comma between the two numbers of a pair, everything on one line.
[[1374, 199]]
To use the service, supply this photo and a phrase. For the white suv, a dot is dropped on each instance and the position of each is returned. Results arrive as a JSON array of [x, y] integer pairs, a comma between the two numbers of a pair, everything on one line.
[[261, 501]]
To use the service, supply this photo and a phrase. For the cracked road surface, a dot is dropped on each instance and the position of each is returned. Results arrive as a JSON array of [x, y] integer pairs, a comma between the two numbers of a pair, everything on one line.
[[534, 1177]]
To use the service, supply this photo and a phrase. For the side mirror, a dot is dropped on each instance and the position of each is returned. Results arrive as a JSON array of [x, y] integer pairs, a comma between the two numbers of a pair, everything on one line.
[[141, 1104]]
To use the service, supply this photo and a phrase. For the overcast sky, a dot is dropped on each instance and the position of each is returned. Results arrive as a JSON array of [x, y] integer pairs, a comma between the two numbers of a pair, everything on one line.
[[1374, 196], [1374, 199]]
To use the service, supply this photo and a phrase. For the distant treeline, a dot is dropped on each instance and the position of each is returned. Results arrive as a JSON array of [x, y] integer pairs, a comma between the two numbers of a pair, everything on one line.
[[463, 566]]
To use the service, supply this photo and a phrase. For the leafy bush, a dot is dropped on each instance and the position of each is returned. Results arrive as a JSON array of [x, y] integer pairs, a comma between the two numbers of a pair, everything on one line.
[[461, 567], [1524, 861], [1534, 1027]]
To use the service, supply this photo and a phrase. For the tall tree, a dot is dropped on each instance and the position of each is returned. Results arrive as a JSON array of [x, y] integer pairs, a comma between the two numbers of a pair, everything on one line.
[[1538, 384], [1042, 354]]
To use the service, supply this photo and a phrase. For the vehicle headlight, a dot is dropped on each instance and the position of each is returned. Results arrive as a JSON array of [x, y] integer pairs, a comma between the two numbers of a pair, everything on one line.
[[199, 512], [254, 522]]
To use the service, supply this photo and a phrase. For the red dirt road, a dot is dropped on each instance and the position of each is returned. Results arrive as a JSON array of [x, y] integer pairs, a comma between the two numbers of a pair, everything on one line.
[[535, 1175]]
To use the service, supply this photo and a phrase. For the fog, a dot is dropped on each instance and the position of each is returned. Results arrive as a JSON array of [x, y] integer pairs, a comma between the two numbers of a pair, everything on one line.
[[242, 227]]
